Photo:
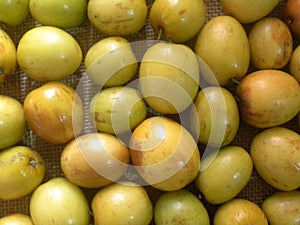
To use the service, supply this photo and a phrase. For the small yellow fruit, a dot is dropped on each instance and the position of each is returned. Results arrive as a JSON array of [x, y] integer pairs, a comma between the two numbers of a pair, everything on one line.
[[16, 219]]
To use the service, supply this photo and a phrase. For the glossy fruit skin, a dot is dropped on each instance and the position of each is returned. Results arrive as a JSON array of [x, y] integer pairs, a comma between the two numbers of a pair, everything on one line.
[[12, 121], [54, 112], [122, 203], [22, 170], [117, 110], [8, 59], [169, 77], [223, 175], [291, 16], [164, 153], [268, 98], [58, 201], [271, 43], [248, 11], [13, 12], [282, 208], [180, 207], [16, 219], [224, 35], [111, 62], [121, 17], [180, 21], [61, 13], [48, 53], [94, 160], [275, 155], [215, 118], [240, 212]]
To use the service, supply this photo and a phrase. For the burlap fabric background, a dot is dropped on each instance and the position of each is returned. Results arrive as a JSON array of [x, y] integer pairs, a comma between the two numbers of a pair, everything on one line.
[[86, 35]]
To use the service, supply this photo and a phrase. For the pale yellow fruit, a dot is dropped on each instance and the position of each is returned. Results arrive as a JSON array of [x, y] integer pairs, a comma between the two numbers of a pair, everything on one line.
[[224, 174], [8, 53], [240, 212], [21, 171], [111, 62], [248, 11], [12, 121], [164, 153], [223, 44], [122, 203], [47, 53], [268, 98], [178, 21], [215, 116], [294, 65], [282, 208], [54, 112], [16, 219], [13, 12], [275, 154], [94, 160], [120, 17], [169, 77], [271, 43], [58, 202]]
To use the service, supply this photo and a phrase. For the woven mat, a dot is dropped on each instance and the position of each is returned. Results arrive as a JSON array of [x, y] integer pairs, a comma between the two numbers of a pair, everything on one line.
[[86, 35]]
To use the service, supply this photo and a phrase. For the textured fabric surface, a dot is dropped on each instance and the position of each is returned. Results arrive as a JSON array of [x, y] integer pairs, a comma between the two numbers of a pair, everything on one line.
[[19, 85]]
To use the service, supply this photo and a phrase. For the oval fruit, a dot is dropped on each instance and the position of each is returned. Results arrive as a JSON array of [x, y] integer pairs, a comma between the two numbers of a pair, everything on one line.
[[12, 121], [21, 170], [224, 174], [16, 219], [282, 208], [294, 65], [275, 155], [47, 53], [54, 112], [13, 12], [94, 160], [117, 110], [246, 11], [268, 98], [66, 204], [121, 17], [164, 153], [129, 201], [291, 16], [240, 212], [271, 43], [169, 77], [215, 116], [111, 62], [60, 13], [8, 59], [224, 35], [180, 207], [172, 18]]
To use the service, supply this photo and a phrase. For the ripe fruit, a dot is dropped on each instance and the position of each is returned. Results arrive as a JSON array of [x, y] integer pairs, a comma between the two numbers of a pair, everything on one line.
[[54, 112], [224, 35], [57, 202], [16, 219], [294, 65], [268, 98], [291, 16], [111, 62], [59, 13], [271, 43], [13, 12], [8, 53], [120, 17], [275, 155], [48, 53], [164, 153], [122, 203], [169, 77], [177, 21], [12, 121], [21, 170], [180, 207]]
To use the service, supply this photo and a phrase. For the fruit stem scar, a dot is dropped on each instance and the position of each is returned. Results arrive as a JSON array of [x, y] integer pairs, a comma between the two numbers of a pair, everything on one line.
[[32, 162]]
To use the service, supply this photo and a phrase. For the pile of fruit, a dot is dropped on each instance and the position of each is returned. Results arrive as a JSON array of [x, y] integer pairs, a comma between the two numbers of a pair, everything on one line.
[[149, 112]]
